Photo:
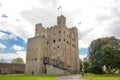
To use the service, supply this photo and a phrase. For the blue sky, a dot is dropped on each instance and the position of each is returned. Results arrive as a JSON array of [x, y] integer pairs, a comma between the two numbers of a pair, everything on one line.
[[93, 18]]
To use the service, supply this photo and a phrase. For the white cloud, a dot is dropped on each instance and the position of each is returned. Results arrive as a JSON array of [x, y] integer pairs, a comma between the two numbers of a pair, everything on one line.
[[2, 46], [5, 36], [98, 17], [10, 56], [82, 57], [17, 47], [2, 35]]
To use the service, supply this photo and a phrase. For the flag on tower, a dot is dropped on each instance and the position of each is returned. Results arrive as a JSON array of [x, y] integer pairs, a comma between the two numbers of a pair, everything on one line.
[[59, 7]]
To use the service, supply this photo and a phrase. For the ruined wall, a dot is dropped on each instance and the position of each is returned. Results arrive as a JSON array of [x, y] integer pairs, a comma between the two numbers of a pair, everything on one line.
[[10, 68], [54, 70]]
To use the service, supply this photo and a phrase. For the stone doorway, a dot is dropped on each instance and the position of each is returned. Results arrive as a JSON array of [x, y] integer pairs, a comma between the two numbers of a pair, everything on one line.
[[32, 72]]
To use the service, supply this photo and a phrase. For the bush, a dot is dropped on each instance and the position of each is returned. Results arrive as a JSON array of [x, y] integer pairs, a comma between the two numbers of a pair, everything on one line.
[[95, 70]]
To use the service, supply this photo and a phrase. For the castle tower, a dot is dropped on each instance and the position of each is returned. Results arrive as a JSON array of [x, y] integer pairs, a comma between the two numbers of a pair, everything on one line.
[[58, 44], [61, 21]]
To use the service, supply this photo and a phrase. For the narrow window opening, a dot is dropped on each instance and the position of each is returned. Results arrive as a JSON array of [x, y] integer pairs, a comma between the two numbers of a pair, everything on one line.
[[53, 41], [67, 42], [59, 39], [35, 59], [47, 42], [60, 32]]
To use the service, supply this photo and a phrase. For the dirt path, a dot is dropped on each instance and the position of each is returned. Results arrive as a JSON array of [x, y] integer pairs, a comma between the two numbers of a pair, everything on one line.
[[72, 77]]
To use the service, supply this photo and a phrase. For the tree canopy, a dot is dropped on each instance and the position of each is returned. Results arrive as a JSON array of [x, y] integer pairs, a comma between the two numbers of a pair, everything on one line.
[[18, 61], [105, 51]]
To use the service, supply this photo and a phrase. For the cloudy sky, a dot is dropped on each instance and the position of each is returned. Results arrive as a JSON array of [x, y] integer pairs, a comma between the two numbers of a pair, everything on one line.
[[93, 18]]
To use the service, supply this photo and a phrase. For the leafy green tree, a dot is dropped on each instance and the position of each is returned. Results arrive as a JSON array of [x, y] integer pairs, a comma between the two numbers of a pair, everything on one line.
[[86, 64], [18, 61], [81, 65], [105, 51]]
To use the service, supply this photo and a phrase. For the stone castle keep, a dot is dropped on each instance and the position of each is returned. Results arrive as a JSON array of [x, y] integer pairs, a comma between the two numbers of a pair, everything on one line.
[[53, 50]]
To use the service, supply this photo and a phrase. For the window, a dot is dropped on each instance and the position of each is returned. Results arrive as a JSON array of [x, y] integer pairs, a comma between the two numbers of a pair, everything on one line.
[[59, 32], [73, 45], [53, 41], [59, 39], [47, 42], [57, 46], [35, 59], [67, 42], [64, 40], [43, 35]]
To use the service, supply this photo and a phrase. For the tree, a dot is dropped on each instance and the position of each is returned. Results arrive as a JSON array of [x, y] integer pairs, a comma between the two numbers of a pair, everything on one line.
[[18, 61], [105, 51], [81, 65], [86, 64]]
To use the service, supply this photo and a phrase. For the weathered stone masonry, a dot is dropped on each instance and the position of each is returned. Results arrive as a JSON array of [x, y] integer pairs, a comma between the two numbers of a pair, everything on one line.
[[12, 68], [56, 46]]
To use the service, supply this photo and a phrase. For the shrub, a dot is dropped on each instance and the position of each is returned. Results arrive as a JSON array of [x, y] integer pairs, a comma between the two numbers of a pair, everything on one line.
[[95, 70]]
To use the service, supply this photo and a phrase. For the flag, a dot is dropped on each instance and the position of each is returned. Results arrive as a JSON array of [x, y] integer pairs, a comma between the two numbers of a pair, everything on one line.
[[59, 7]]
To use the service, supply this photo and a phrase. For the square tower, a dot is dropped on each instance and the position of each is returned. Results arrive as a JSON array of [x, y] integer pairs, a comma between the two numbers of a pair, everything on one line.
[[53, 50]]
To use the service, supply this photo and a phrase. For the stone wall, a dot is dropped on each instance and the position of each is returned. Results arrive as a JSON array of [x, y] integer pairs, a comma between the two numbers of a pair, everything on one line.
[[9, 68], [35, 53], [54, 70]]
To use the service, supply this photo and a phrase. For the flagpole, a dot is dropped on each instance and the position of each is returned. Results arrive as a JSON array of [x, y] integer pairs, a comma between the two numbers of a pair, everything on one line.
[[61, 9]]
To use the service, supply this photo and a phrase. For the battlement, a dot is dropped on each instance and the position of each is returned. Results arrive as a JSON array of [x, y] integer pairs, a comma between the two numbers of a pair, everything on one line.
[[39, 29]]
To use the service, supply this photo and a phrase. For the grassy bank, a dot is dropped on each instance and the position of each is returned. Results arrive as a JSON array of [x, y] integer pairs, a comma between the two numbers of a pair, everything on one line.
[[27, 77], [102, 76]]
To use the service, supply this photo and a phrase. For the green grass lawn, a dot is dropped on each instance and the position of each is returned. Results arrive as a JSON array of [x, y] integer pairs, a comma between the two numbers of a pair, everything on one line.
[[102, 76], [27, 77]]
